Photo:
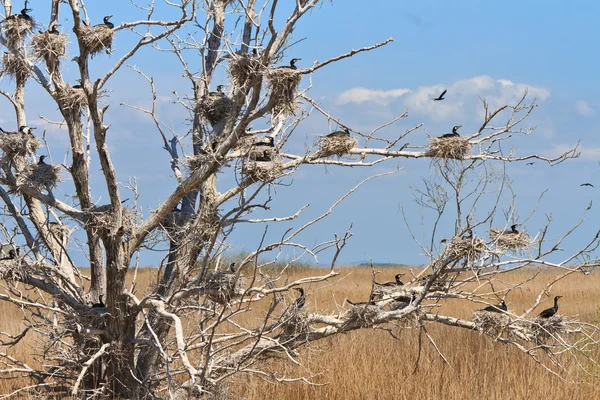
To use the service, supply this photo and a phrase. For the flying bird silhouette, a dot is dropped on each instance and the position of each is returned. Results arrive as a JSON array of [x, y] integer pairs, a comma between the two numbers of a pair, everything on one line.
[[440, 97], [587, 184], [530, 163]]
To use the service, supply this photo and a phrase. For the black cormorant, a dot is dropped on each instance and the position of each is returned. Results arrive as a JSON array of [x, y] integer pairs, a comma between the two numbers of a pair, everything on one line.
[[440, 97], [364, 303], [587, 184], [397, 282], [340, 134], [299, 303], [25, 130], [530, 163], [24, 14], [496, 308], [218, 93], [266, 157], [549, 312], [513, 230], [107, 22], [41, 160], [78, 86], [292, 64], [270, 142], [100, 303], [54, 29], [453, 134], [232, 267]]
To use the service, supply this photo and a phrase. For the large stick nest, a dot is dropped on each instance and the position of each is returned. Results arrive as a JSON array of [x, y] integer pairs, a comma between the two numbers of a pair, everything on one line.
[[49, 46], [15, 66], [195, 162], [545, 328], [337, 145], [265, 171], [467, 247], [295, 321], [491, 322], [511, 241], [73, 98], [42, 176], [215, 107], [456, 148], [18, 144], [244, 69], [16, 29], [96, 38], [283, 84], [103, 220], [224, 286], [13, 270], [364, 315]]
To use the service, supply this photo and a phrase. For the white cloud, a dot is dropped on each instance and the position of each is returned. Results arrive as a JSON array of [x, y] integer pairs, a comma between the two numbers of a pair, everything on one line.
[[361, 95], [584, 109]]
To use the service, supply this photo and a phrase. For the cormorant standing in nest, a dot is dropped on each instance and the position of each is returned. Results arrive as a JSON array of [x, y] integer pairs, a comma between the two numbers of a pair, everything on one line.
[[25, 130], [299, 303], [53, 29], [41, 160], [453, 134], [107, 23], [339, 134], [24, 14], [513, 230], [496, 308], [270, 142], [292, 64], [397, 282], [549, 312], [100, 303], [78, 86], [218, 93], [440, 97], [232, 267], [266, 157]]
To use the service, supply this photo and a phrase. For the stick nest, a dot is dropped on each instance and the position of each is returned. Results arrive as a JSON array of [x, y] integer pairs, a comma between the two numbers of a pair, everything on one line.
[[227, 286], [283, 84], [16, 29], [215, 107], [491, 322], [245, 68], [511, 241], [336, 145], [467, 247], [49, 46], [44, 176], [195, 162], [18, 144], [15, 66], [96, 38], [103, 220], [365, 315], [545, 328], [13, 270], [73, 98], [455, 148], [265, 171], [295, 321]]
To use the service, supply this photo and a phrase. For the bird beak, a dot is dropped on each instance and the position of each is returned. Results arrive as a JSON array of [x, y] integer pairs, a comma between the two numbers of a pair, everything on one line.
[[32, 128], [109, 16]]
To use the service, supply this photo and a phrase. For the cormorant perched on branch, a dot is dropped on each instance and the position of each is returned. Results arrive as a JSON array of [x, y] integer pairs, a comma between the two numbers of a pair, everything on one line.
[[549, 312], [587, 184], [107, 22], [453, 134], [292, 64], [440, 97], [25, 130], [41, 160], [513, 230], [344, 132], [100, 303], [299, 303], [496, 308], [266, 157], [270, 142], [397, 282]]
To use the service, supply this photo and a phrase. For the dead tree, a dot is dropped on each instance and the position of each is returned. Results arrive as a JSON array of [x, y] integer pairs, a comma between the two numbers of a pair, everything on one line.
[[106, 339]]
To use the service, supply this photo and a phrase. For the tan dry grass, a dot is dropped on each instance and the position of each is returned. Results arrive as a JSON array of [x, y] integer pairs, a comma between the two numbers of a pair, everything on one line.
[[370, 364]]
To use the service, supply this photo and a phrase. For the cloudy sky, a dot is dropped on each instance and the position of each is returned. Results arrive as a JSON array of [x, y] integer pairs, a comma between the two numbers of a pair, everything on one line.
[[476, 50]]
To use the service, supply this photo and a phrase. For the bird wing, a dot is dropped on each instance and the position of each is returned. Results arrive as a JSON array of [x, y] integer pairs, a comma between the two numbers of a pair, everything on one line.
[[443, 93]]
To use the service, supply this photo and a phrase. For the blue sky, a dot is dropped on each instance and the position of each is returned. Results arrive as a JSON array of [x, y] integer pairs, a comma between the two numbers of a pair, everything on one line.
[[474, 49]]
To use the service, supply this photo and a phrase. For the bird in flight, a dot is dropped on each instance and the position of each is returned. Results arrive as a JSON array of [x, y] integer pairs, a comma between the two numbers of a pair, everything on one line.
[[530, 163], [587, 184], [440, 97]]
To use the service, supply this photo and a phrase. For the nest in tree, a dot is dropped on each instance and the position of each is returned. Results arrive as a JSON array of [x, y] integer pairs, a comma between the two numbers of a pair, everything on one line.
[[16, 29], [73, 98], [337, 145], [49, 46], [491, 322], [195, 162], [96, 38], [265, 171], [12, 270], [456, 148], [42, 176], [295, 321], [467, 247], [511, 241], [244, 68], [103, 221], [15, 66], [223, 287], [545, 328], [244, 144], [283, 84], [215, 107], [364, 315], [18, 144]]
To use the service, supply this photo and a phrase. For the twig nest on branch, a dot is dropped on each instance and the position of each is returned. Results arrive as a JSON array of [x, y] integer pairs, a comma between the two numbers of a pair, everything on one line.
[[337, 145], [42, 176], [545, 328], [215, 107], [283, 83], [103, 220], [364, 315], [504, 240], [195, 162], [15, 66], [49, 46], [265, 171], [15, 29], [294, 321], [490, 322], [244, 68], [467, 247], [13, 270], [96, 38], [455, 148], [73, 98], [18, 144], [222, 287]]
